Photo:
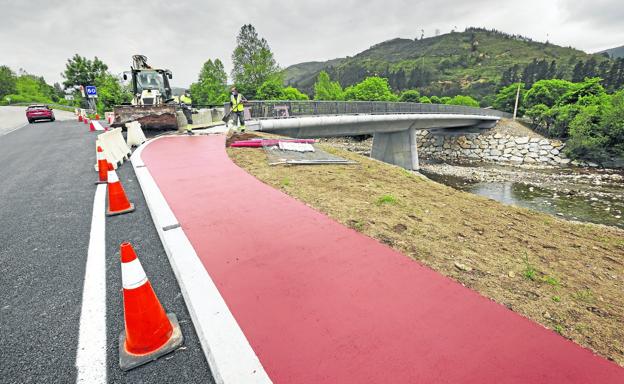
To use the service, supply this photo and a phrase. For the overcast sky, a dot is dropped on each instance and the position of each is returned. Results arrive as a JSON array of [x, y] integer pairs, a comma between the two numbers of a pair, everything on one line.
[[39, 35]]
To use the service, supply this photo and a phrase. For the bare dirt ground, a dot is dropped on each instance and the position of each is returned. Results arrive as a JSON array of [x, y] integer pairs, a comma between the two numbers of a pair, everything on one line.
[[566, 276]]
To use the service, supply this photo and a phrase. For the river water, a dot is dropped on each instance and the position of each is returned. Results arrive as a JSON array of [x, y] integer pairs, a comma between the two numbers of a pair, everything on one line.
[[574, 194]]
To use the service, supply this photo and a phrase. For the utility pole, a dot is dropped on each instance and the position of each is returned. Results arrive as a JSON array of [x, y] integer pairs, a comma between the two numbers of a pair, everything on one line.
[[517, 99]]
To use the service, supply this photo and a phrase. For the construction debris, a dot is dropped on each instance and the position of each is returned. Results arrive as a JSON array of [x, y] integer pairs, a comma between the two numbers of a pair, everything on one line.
[[301, 154], [259, 143]]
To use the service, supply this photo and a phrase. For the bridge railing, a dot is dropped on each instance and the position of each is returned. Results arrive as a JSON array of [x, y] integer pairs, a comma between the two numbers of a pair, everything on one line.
[[268, 109]]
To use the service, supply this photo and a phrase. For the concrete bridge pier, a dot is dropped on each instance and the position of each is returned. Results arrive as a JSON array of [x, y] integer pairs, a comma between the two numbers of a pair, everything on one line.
[[398, 148]]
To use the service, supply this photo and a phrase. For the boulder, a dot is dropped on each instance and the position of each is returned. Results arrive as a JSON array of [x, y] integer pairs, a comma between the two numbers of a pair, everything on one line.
[[521, 140]]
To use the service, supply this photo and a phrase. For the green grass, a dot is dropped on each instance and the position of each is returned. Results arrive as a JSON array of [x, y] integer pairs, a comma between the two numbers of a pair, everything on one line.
[[551, 281], [285, 182], [556, 299], [584, 295], [529, 271], [558, 328], [386, 199]]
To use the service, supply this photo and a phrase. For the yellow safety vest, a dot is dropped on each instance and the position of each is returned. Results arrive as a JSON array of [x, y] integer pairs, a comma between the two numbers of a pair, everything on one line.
[[237, 103], [185, 100]]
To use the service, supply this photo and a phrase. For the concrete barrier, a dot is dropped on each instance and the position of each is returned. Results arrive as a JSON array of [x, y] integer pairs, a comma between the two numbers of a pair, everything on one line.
[[203, 116], [182, 122], [135, 135], [217, 114]]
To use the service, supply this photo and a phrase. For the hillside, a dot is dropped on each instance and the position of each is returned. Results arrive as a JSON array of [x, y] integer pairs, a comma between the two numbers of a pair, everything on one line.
[[470, 62], [615, 52]]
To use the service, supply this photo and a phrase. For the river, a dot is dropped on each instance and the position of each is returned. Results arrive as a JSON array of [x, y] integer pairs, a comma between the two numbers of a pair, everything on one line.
[[586, 195]]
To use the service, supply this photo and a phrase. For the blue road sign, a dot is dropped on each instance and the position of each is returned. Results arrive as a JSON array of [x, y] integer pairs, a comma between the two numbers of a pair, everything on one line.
[[91, 91]]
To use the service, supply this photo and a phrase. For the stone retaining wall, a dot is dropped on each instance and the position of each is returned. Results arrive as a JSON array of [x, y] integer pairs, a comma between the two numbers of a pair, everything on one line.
[[491, 147]]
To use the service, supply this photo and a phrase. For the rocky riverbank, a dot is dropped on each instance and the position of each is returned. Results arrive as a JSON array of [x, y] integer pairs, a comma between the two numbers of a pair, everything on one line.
[[601, 183]]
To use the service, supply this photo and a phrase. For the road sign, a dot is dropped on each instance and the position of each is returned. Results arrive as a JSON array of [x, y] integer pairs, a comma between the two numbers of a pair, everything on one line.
[[91, 91]]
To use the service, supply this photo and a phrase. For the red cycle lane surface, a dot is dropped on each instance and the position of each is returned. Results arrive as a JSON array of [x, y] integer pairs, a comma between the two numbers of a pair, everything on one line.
[[321, 303]]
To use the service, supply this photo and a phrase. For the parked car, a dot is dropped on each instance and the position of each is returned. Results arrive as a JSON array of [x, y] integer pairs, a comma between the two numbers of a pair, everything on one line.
[[39, 112]]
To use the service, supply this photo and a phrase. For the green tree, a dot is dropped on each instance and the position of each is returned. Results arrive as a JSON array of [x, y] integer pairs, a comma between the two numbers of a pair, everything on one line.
[[291, 93], [435, 100], [110, 92], [463, 100], [82, 71], [547, 92], [30, 88], [7, 81], [211, 85], [253, 61], [325, 89], [506, 98], [587, 138], [410, 96], [271, 89], [371, 89]]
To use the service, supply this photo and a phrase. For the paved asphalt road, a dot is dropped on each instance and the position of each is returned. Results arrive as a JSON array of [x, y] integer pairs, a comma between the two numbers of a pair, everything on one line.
[[46, 202], [15, 117]]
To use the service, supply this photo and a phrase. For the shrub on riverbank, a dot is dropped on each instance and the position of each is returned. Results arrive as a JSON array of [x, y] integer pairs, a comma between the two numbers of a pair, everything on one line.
[[583, 113]]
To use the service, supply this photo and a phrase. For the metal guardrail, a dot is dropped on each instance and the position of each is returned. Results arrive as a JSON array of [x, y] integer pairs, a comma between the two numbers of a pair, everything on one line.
[[267, 109]]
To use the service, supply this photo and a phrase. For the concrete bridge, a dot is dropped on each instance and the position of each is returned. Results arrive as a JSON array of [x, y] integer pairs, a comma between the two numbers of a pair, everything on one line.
[[393, 125]]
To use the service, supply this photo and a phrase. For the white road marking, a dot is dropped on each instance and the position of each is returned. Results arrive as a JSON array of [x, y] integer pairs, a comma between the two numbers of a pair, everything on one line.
[[231, 358], [91, 353]]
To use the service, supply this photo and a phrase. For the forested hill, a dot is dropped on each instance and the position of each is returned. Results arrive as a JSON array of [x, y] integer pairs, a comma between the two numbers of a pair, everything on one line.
[[474, 62], [615, 52]]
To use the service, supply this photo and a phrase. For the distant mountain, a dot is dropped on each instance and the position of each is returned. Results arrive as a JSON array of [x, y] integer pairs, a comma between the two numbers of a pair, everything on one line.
[[471, 62], [615, 53]]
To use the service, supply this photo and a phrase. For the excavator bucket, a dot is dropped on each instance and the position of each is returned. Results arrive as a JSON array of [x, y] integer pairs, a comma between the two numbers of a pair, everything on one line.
[[150, 116]]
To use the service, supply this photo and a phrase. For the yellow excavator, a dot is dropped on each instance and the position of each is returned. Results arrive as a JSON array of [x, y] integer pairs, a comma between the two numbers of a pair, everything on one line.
[[152, 103]]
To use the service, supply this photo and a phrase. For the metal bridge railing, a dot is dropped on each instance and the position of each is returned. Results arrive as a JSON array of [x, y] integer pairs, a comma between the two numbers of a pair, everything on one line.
[[267, 109]]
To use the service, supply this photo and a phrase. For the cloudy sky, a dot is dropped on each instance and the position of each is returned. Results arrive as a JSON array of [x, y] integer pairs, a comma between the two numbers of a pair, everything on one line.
[[39, 35]]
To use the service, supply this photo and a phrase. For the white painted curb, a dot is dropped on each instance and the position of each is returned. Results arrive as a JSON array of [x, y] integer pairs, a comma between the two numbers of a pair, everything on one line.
[[229, 354]]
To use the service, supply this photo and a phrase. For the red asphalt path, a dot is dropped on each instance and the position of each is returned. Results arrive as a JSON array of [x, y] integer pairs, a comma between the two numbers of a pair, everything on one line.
[[321, 303]]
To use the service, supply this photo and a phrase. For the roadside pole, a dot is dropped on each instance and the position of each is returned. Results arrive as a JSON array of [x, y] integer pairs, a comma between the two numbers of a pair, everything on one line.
[[517, 99]]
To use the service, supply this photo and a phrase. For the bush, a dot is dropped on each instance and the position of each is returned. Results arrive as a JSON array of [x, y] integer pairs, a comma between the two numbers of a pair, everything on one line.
[[425, 100], [435, 100], [271, 89], [587, 140], [463, 100], [292, 93], [371, 89], [505, 100], [325, 89], [410, 96]]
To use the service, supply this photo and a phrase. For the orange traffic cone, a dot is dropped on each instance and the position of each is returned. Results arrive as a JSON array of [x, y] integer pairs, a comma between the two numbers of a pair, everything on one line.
[[97, 117], [102, 165], [149, 331], [80, 118], [118, 203], [85, 120], [91, 126]]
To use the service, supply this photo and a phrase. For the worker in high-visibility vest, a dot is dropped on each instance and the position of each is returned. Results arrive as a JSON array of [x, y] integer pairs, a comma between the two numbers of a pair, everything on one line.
[[185, 103], [237, 108]]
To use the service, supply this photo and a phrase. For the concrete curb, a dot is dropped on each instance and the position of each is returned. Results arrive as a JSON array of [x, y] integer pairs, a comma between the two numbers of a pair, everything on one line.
[[230, 356]]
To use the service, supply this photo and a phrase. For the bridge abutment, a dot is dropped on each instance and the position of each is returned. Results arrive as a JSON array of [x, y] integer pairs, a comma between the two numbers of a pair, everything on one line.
[[398, 148]]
